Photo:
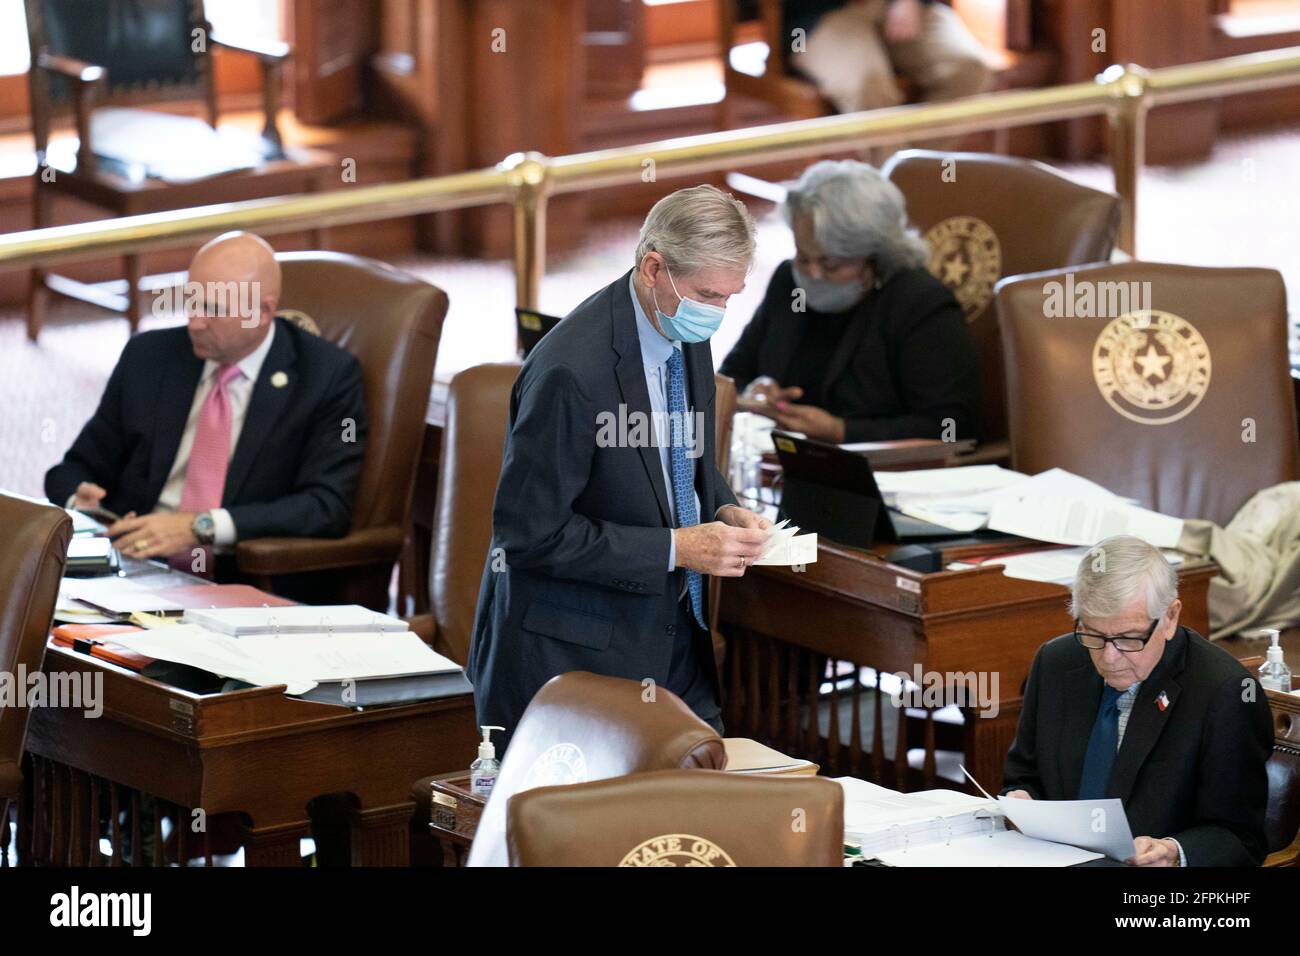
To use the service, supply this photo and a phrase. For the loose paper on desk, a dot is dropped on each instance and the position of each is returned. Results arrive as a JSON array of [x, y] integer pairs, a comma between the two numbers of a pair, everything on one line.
[[299, 661], [1097, 825], [786, 546], [294, 619], [1082, 521], [1004, 848], [1053, 565]]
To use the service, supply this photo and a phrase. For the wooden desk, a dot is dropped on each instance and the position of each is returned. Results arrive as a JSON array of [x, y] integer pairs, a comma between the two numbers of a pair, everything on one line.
[[858, 611], [253, 753]]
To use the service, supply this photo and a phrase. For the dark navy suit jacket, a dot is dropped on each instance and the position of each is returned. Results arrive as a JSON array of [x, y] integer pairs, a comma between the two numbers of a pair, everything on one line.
[[577, 577], [291, 474]]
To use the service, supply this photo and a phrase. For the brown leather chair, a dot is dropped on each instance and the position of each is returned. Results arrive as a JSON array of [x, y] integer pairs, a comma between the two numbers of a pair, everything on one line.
[[680, 818], [32, 559], [582, 727], [1000, 216], [391, 322], [473, 443], [1153, 408], [1282, 819]]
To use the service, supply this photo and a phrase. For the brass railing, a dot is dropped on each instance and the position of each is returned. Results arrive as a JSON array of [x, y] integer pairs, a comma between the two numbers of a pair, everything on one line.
[[1124, 94]]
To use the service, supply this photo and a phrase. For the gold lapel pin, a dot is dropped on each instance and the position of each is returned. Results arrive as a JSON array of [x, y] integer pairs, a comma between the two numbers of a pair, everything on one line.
[[279, 380]]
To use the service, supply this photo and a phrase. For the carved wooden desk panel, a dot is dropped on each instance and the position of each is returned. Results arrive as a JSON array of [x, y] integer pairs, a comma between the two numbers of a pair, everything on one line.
[[254, 752]]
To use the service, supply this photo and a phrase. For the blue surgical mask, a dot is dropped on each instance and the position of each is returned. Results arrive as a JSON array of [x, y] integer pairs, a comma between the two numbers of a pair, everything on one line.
[[823, 295], [694, 321]]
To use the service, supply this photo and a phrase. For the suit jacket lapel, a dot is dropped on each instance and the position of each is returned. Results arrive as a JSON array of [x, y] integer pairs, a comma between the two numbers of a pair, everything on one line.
[[175, 398], [1080, 699], [264, 408], [630, 372], [1148, 720]]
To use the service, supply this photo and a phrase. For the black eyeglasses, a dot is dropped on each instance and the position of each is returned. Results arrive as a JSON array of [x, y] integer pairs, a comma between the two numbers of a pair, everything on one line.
[[1128, 643]]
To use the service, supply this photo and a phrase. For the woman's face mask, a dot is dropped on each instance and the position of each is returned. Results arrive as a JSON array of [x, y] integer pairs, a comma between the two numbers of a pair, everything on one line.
[[826, 295]]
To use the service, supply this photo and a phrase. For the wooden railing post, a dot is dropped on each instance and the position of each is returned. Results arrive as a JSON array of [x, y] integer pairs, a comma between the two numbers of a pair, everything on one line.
[[1128, 120]]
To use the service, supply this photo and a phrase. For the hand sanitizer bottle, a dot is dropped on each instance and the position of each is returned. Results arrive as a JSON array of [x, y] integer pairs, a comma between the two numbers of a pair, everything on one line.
[[1275, 675], [483, 771]]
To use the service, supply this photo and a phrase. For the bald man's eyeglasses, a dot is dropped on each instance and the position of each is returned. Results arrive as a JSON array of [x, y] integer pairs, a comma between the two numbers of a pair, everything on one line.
[[1128, 643]]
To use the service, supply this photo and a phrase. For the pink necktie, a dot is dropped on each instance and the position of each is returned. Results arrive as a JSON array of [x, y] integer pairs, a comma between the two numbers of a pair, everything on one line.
[[205, 475]]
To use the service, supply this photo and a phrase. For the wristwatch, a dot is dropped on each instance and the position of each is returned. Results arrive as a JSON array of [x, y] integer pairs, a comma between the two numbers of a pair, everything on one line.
[[204, 528]]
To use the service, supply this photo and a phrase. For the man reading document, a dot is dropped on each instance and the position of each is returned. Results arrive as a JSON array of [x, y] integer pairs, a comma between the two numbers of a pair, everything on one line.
[[610, 510]]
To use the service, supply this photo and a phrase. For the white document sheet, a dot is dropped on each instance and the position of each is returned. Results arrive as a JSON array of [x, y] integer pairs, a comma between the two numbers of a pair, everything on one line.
[[1055, 565], [299, 661], [1000, 848], [785, 546], [1097, 825], [293, 619], [1082, 520], [943, 483]]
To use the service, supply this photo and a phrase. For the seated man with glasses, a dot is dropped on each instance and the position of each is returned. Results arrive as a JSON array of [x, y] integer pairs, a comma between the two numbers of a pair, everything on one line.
[[1134, 706]]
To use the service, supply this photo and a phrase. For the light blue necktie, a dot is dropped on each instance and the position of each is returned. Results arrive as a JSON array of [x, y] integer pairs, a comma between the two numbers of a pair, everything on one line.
[[683, 483]]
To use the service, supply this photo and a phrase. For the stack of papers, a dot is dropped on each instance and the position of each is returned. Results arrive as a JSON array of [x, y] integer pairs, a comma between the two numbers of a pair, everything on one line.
[[786, 546], [1049, 565], [279, 645], [1055, 506], [749, 756], [949, 828], [293, 619]]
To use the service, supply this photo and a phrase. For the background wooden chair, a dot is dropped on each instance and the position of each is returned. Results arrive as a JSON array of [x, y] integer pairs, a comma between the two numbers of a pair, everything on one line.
[[391, 322], [1152, 404], [746, 74], [986, 217], [32, 559], [102, 61], [719, 819]]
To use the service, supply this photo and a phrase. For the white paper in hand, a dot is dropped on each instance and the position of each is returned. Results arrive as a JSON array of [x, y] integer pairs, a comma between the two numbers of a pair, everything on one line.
[[785, 546]]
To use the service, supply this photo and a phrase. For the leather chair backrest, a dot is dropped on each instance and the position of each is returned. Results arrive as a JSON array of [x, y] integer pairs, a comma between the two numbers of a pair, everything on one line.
[[680, 818], [987, 216], [391, 322], [473, 443], [33, 552], [582, 727], [1183, 403], [1282, 818]]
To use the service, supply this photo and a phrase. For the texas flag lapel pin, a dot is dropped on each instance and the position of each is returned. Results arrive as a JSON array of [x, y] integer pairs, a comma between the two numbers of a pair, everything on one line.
[[1162, 701]]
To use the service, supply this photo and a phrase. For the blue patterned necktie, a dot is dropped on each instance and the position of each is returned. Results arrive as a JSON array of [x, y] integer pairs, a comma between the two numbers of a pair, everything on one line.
[[1101, 747], [683, 483]]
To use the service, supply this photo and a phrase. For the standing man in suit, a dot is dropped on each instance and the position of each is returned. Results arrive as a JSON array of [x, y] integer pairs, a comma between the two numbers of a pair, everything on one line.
[[239, 425], [1131, 705], [610, 510]]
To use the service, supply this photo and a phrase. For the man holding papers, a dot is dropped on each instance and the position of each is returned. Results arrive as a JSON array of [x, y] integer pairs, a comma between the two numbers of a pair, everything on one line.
[[1132, 706], [610, 511]]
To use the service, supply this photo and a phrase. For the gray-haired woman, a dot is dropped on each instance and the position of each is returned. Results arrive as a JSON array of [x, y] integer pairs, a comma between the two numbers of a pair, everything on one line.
[[855, 340]]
